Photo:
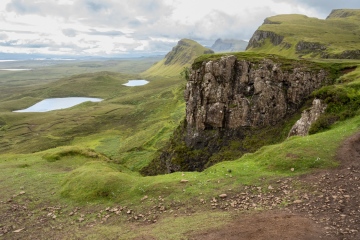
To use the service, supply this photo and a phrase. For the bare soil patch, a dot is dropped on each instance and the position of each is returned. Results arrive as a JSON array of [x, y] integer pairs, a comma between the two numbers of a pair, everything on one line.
[[327, 208], [321, 205], [266, 226]]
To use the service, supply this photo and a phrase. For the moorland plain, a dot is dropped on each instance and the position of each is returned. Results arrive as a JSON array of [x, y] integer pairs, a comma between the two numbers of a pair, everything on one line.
[[74, 173]]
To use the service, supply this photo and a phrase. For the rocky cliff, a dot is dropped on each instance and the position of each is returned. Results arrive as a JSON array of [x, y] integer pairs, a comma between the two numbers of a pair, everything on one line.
[[237, 104], [231, 93]]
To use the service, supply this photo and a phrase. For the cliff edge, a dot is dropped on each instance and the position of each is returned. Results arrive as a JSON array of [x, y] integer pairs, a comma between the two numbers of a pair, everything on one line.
[[295, 35], [236, 104]]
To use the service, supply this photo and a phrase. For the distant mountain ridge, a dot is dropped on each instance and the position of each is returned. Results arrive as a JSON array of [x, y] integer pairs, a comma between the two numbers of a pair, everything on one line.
[[182, 55], [294, 35], [229, 45]]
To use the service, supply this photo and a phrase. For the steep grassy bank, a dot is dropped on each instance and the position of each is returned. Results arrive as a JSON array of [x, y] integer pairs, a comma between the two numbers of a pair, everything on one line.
[[294, 35]]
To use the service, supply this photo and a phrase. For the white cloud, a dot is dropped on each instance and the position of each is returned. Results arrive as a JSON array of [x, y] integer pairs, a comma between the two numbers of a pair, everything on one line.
[[114, 27]]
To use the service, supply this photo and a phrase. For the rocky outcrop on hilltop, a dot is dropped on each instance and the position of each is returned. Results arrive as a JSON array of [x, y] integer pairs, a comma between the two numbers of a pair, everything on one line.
[[185, 51], [259, 37], [238, 105], [232, 93]]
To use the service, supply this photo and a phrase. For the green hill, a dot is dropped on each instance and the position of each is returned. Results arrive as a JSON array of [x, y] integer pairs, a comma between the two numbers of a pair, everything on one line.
[[182, 55], [294, 35]]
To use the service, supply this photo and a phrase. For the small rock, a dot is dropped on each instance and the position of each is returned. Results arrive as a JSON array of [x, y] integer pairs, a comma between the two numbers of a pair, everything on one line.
[[224, 195], [297, 201], [184, 181], [144, 198], [18, 230], [129, 211], [292, 169], [270, 187], [22, 192]]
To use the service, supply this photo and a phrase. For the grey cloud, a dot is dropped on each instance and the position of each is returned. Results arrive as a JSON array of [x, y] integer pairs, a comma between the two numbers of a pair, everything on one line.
[[324, 7], [160, 46], [108, 12], [22, 7], [17, 31], [105, 33], [70, 32], [46, 43], [95, 6], [3, 36], [28, 44], [9, 43]]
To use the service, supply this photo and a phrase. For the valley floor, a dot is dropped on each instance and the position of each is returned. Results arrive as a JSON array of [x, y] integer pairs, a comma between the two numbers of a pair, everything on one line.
[[323, 205]]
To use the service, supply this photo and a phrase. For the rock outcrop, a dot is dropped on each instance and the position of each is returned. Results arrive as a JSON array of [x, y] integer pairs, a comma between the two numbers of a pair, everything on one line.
[[308, 117], [259, 37], [231, 93], [233, 103]]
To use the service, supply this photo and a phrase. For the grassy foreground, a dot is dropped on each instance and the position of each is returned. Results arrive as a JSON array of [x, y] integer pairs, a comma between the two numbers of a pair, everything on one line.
[[96, 168], [82, 180]]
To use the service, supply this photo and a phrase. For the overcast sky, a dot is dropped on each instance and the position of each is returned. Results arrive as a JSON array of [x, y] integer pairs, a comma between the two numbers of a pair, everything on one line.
[[116, 27]]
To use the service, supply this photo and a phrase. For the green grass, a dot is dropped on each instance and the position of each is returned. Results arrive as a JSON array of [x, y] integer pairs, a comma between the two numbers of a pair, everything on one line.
[[50, 71], [181, 56], [89, 156], [337, 34]]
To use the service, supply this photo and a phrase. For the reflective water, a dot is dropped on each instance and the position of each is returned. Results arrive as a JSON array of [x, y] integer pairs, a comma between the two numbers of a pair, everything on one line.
[[133, 83], [50, 104], [14, 69]]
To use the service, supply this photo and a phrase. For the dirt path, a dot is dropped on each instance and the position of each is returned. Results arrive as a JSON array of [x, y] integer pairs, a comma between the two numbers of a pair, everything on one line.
[[330, 210], [323, 205]]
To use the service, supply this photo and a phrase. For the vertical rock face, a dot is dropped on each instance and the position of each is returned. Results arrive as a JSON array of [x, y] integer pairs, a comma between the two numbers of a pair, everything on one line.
[[231, 93], [259, 37], [234, 104], [308, 117]]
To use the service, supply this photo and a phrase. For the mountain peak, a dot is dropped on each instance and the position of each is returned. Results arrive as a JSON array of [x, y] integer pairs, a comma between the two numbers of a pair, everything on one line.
[[182, 55], [185, 52]]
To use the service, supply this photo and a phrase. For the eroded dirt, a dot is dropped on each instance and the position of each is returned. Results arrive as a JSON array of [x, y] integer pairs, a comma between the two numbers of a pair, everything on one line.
[[330, 210], [323, 205]]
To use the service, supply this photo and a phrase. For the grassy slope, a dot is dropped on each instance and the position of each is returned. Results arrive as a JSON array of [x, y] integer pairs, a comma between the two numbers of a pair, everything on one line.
[[337, 34], [85, 182], [99, 166], [181, 56]]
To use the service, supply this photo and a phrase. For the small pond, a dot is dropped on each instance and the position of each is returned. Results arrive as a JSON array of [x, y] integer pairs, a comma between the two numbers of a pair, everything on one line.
[[134, 83], [50, 104], [14, 69]]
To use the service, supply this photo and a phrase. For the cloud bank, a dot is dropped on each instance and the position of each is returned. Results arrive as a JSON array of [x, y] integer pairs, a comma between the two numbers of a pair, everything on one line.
[[110, 27]]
